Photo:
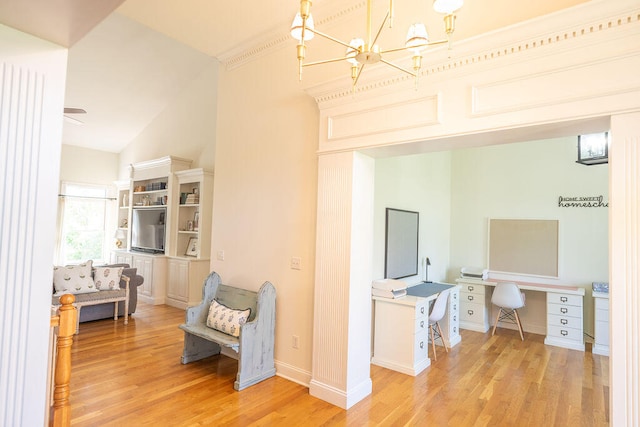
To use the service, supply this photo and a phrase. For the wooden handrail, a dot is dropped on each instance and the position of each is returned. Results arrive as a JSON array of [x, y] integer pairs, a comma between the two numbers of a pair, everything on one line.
[[66, 324]]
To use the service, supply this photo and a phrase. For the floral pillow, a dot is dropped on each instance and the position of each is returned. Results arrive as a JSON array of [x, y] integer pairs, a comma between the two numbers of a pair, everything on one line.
[[107, 278], [225, 319], [73, 279]]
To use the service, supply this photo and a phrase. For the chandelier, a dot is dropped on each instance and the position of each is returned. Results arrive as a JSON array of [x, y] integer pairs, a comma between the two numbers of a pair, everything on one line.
[[359, 52]]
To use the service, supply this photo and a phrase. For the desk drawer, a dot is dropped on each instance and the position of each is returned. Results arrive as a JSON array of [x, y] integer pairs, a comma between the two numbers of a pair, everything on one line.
[[564, 299], [564, 333], [454, 302], [422, 308], [475, 298], [420, 347], [473, 289], [602, 304], [564, 310], [472, 312], [422, 324], [564, 321], [602, 333]]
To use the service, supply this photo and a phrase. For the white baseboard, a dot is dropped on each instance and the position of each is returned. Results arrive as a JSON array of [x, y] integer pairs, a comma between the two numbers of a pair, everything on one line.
[[341, 398], [293, 373]]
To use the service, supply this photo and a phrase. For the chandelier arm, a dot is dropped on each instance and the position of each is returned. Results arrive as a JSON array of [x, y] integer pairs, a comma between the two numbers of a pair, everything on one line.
[[325, 61], [333, 39], [398, 68], [398, 49], [384, 21], [355, 81]]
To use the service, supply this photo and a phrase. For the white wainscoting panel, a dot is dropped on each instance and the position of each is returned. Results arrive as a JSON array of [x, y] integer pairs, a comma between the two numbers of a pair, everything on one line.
[[385, 118]]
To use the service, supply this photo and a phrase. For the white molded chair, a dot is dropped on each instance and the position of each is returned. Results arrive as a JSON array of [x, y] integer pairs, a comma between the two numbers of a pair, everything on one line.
[[508, 298], [437, 313]]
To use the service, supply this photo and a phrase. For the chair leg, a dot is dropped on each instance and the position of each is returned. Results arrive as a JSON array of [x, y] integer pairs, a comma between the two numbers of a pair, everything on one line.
[[496, 322], [444, 343], [519, 324], [433, 342]]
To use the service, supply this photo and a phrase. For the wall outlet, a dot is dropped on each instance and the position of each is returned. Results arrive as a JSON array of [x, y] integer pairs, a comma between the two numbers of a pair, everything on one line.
[[220, 255], [295, 341], [296, 263]]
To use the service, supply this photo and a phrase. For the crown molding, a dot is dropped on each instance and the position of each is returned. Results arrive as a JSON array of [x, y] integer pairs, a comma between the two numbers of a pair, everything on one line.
[[528, 37], [584, 23]]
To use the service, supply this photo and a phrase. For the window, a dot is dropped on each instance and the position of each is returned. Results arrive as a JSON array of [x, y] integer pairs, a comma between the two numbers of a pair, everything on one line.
[[83, 218]]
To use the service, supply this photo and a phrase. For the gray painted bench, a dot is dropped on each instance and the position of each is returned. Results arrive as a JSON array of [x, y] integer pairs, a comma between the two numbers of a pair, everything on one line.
[[253, 348]]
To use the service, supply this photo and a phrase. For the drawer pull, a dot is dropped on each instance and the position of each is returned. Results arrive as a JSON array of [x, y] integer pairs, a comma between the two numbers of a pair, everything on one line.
[[564, 321], [470, 297], [455, 307], [455, 330], [455, 318], [421, 344], [564, 310], [471, 288], [421, 310], [422, 323], [470, 312], [564, 299], [564, 333]]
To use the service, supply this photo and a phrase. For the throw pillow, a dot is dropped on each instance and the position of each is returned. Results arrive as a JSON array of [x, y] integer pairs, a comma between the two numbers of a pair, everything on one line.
[[107, 278], [73, 279], [226, 319]]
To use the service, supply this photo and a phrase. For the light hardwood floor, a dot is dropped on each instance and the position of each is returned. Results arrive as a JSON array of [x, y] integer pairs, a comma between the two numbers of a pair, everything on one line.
[[132, 376]]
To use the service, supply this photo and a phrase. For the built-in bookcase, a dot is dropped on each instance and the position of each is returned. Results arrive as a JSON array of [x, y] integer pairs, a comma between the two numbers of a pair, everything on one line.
[[193, 219]]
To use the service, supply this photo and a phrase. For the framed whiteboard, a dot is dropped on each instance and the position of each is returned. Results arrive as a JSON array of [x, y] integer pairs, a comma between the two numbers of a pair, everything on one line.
[[524, 246], [401, 244]]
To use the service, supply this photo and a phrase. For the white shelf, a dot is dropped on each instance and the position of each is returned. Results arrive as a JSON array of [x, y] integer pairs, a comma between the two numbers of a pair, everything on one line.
[[150, 192]]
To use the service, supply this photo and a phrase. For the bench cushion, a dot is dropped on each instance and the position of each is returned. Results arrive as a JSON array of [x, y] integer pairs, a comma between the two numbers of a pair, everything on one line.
[[100, 296], [226, 319], [203, 331]]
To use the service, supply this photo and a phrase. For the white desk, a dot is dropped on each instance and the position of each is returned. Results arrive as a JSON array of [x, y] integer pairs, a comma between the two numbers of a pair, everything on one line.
[[560, 307], [401, 334]]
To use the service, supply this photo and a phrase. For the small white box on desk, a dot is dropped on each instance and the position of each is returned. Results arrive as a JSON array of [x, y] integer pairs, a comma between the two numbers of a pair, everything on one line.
[[388, 288], [389, 284]]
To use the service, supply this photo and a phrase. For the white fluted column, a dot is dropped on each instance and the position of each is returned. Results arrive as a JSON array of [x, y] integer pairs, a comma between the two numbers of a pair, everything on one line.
[[624, 256], [32, 79], [342, 298]]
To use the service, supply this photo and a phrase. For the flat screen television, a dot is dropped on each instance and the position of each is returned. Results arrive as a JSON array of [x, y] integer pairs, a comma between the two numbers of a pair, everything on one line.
[[148, 230]]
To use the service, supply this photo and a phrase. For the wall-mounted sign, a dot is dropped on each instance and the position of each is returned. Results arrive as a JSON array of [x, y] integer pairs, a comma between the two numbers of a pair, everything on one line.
[[582, 202]]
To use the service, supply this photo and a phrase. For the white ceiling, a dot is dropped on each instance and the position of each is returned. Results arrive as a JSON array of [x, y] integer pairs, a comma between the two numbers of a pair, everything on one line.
[[124, 74], [127, 69]]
